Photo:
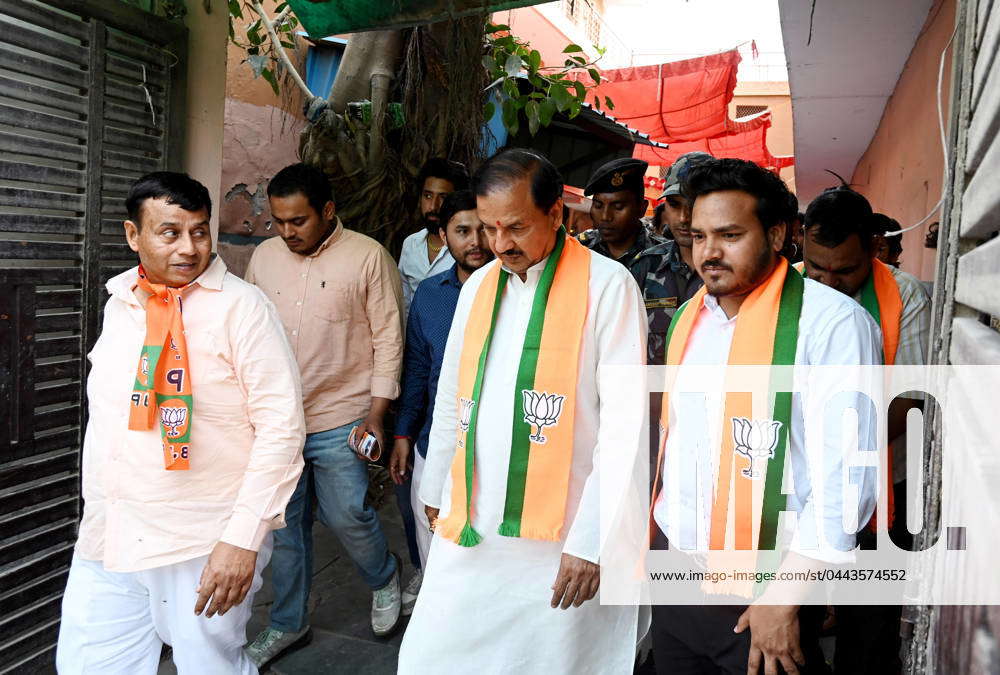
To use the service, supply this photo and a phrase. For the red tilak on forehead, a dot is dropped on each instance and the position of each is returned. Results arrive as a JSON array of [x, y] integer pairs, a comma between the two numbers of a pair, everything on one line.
[[498, 223]]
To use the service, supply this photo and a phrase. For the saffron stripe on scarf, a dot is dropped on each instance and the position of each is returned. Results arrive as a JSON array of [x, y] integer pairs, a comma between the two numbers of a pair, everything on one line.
[[520, 448]]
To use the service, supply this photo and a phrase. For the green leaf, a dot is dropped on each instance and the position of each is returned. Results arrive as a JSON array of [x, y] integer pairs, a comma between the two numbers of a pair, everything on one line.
[[510, 88], [581, 90], [569, 63], [562, 98], [489, 110], [532, 112], [253, 33], [513, 65], [609, 103], [570, 48], [235, 9], [597, 102], [546, 111], [510, 116], [574, 109], [286, 44], [534, 59], [580, 60], [280, 8], [536, 81], [269, 76], [491, 28], [595, 74]]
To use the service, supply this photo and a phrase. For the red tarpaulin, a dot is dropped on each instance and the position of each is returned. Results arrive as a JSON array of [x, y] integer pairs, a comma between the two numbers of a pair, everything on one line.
[[679, 101], [750, 145]]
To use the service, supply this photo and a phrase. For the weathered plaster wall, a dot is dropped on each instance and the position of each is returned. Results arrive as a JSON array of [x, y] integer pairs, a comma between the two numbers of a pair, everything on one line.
[[261, 137], [901, 172], [780, 138]]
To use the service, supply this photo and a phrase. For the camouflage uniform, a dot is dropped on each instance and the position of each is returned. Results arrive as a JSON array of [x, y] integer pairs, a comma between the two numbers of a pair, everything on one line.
[[592, 240], [664, 278]]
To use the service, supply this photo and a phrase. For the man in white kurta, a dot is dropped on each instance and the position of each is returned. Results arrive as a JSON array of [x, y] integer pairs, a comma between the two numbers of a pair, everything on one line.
[[489, 606]]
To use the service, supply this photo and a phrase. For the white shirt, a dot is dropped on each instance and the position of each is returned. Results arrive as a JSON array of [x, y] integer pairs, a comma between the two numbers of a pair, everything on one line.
[[614, 333], [414, 266], [833, 330]]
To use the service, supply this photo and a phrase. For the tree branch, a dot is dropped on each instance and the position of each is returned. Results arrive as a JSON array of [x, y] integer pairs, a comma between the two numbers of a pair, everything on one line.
[[276, 42]]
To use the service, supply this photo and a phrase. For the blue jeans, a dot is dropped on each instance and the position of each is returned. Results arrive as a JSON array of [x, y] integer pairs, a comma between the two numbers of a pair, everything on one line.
[[335, 475]]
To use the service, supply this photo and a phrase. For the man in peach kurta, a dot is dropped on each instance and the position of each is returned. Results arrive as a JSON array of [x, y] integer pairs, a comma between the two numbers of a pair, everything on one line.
[[176, 526]]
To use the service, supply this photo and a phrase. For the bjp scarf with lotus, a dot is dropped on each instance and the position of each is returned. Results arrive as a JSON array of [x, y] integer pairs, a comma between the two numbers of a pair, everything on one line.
[[766, 333], [163, 376], [544, 399]]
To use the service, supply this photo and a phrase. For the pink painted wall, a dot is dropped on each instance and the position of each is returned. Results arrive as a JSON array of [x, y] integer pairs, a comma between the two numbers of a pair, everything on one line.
[[901, 172]]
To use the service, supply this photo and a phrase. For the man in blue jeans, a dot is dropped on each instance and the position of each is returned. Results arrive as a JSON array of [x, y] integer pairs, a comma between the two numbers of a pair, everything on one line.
[[338, 294]]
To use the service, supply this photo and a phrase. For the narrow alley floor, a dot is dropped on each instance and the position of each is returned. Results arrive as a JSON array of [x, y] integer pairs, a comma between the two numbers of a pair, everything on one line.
[[340, 604]]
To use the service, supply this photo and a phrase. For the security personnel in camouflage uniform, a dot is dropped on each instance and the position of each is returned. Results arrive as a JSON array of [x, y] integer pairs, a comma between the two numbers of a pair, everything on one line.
[[665, 280], [665, 277], [617, 206]]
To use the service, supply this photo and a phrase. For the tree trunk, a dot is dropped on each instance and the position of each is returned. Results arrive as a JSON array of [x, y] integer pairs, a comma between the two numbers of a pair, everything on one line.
[[367, 54]]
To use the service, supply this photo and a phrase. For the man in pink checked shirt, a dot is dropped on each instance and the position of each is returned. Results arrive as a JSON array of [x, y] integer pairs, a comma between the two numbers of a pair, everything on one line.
[[193, 449]]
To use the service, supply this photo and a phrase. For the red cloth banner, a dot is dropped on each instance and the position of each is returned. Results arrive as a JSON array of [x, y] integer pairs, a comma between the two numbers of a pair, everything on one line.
[[679, 101], [750, 145]]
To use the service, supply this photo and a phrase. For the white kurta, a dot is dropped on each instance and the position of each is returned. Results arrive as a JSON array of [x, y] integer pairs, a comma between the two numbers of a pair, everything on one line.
[[487, 607]]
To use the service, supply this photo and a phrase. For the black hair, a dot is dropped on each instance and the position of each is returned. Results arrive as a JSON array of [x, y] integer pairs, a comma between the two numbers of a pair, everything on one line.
[[503, 169], [178, 188], [881, 223], [302, 179], [445, 169], [776, 204], [895, 244], [836, 214], [455, 202]]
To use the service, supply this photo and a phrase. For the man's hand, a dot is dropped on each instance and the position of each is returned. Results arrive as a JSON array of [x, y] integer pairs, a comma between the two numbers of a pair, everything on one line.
[[373, 424], [774, 638], [399, 462], [432, 514], [226, 579], [577, 582]]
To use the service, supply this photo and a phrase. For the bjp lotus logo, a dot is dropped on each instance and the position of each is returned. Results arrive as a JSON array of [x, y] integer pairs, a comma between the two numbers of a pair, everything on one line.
[[465, 412], [755, 440], [541, 410], [173, 419]]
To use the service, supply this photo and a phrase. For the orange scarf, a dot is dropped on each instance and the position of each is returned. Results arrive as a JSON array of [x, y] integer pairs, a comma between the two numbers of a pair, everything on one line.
[[748, 497], [881, 298], [544, 399], [163, 376]]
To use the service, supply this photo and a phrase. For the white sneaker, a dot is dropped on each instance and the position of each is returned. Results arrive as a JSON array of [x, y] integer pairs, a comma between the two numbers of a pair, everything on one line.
[[270, 643], [411, 591], [387, 605]]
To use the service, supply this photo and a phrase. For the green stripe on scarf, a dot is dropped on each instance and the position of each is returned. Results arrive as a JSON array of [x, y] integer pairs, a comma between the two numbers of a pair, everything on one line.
[[520, 449], [786, 336]]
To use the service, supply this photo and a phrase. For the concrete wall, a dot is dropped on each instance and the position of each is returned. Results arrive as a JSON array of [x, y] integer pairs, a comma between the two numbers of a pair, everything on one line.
[[901, 172], [206, 87], [780, 139]]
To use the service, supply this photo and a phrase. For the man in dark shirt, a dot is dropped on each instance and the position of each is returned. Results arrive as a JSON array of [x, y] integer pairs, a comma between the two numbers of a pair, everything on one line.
[[431, 312]]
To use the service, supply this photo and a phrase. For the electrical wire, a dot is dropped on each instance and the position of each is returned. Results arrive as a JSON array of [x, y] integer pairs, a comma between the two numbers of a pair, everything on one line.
[[946, 187]]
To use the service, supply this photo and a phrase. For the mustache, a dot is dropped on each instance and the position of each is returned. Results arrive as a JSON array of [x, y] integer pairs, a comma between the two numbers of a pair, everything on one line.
[[512, 252], [715, 264]]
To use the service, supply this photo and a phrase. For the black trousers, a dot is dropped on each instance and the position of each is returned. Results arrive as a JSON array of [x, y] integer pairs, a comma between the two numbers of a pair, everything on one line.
[[699, 640], [868, 641]]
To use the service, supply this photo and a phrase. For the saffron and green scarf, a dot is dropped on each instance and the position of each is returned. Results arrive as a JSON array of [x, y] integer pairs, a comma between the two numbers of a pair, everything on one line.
[[881, 298], [766, 333], [163, 376], [544, 399]]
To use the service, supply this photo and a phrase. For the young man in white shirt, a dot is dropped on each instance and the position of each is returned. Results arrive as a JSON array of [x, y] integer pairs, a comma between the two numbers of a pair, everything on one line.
[[424, 252]]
